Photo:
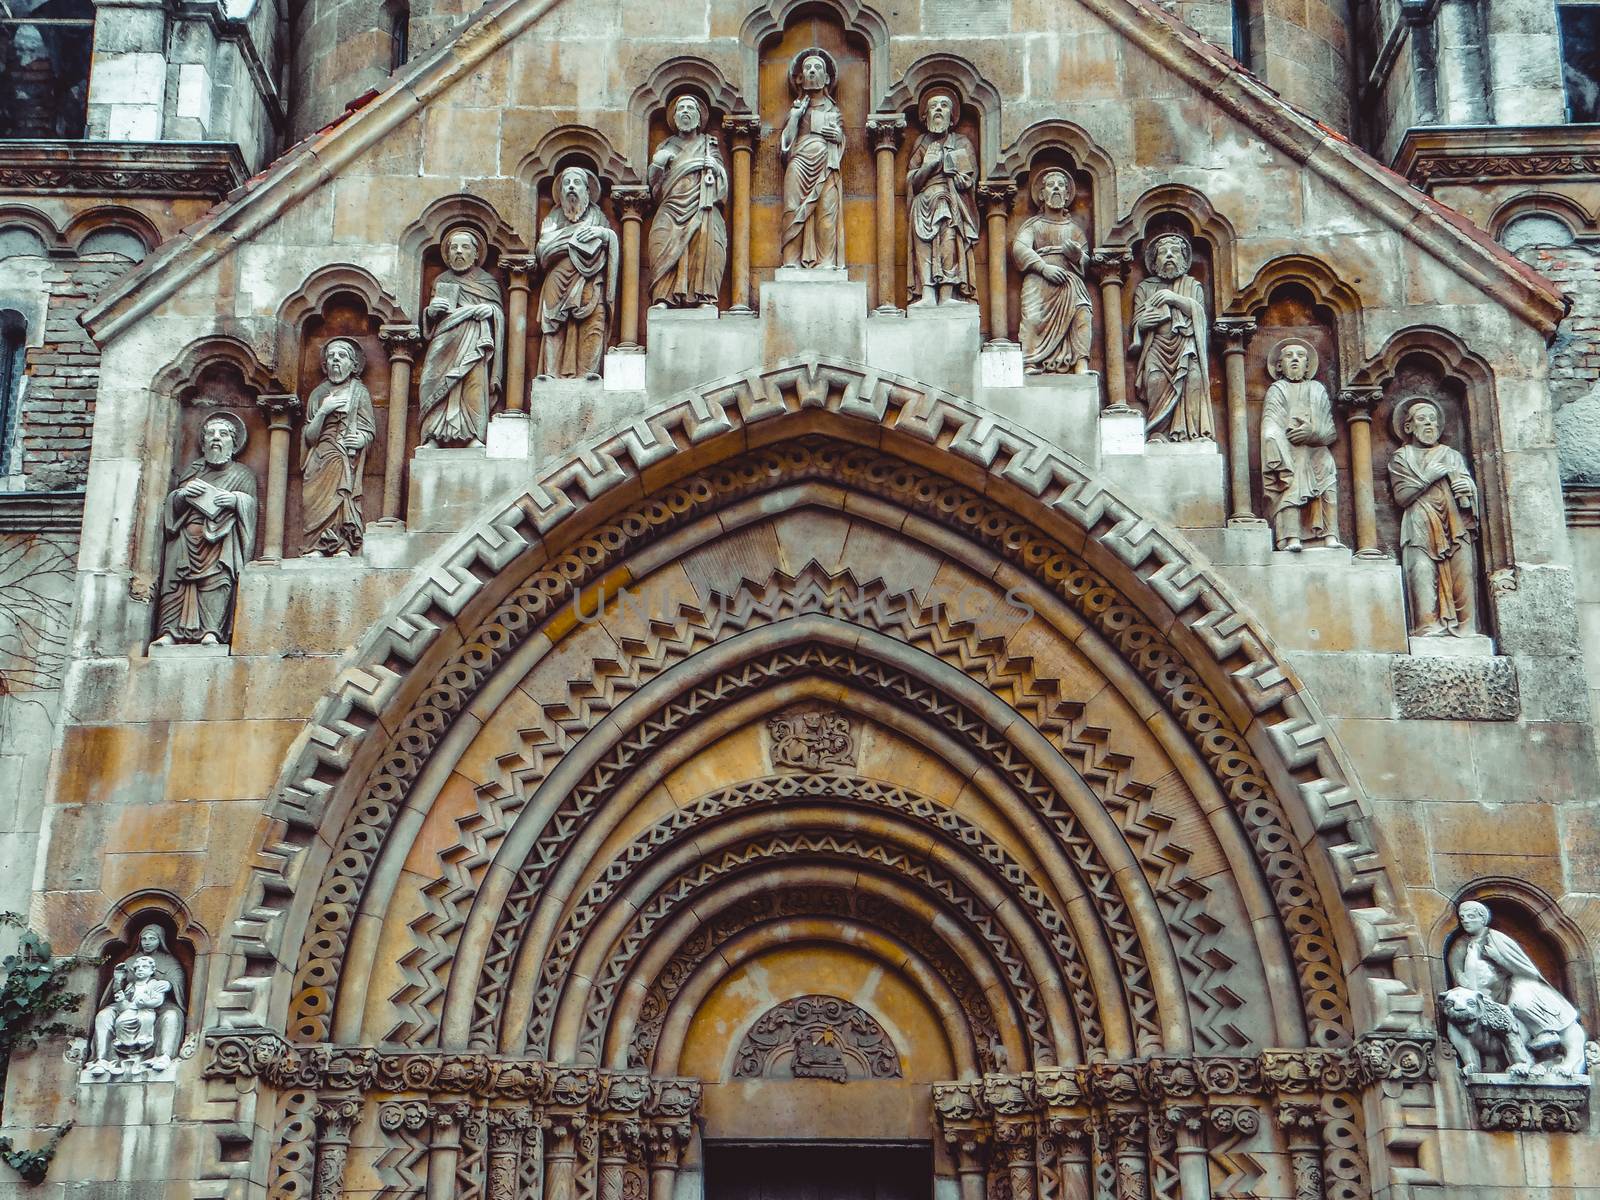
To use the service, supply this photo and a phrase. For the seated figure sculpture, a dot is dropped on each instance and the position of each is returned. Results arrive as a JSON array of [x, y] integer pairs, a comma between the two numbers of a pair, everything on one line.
[[1501, 1011], [139, 1024]]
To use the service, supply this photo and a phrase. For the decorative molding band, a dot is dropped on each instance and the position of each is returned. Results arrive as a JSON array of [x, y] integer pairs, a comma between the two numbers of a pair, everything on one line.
[[41, 512], [1455, 689], [1429, 156], [204, 170]]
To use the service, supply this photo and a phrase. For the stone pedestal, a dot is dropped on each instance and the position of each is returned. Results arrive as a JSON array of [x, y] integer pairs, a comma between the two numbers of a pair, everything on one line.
[[510, 436], [313, 605], [1000, 365], [1064, 409], [936, 345], [813, 312], [624, 370], [1121, 432], [691, 347], [1506, 1103], [567, 412], [110, 1103], [451, 488], [1321, 599], [1177, 482], [1447, 645], [189, 650]]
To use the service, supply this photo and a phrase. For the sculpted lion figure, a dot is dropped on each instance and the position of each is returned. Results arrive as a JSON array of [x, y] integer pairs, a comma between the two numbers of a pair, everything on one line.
[[1483, 1029]]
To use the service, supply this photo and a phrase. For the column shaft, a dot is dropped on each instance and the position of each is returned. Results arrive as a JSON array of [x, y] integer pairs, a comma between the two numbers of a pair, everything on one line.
[[1112, 265], [280, 410], [885, 130], [631, 201], [996, 196], [517, 334], [1358, 404], [401, 341], [742, 129], [1236, 334]]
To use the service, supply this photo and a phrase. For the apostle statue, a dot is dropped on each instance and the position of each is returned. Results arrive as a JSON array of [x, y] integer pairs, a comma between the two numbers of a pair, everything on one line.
[[140, 1019], [1438, 522], [578, 254], [1052, 254], [942, 221], [688, 234], [812, 146], [465, 323], [1170, 331], [1501, 1002], [339, 427], [1297, 470], [210, 525]]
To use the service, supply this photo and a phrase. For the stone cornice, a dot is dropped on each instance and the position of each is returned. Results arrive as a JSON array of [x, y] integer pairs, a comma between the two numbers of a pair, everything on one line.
[[204, 170], [1479, 153], [41, 512]]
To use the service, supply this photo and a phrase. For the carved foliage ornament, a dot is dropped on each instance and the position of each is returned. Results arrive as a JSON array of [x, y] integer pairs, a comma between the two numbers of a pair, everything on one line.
[[811, 740], [817, 1037]]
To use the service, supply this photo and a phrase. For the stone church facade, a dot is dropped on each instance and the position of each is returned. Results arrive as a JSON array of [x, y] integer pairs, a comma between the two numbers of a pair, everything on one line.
[[722, 598]]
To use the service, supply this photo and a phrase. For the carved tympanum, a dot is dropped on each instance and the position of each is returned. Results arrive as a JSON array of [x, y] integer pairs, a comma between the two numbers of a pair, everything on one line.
[[811, 740], [339, 427], [1170, 331], [1052, 253], [812, 145], [466, 326], [578, 255], [139, 1024], [1297, 468], [817, 1037], [942, 221], [688, 234], [1438, 523], [1500, 1013], [209, 521]]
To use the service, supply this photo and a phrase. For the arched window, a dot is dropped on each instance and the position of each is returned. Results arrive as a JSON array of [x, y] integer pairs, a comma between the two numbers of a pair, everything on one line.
[[1244, 32], [44, 67], [398, 13], [13, 337], [1580, 58]]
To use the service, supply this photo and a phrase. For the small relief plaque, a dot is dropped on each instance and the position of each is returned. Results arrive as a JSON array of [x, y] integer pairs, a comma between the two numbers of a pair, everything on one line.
[[817, 1037], [811, 739]]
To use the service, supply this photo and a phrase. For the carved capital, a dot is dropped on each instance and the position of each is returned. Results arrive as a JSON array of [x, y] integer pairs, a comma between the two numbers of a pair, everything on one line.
[[1235, 333], [631, 201], [665, 1142], [280, 410], [742, 129], [1357, 403], [336, 1116], [409, 1115], [1300, 1119], [886, 130], [621, 1140], [561, 1128], [997, 195], [1111, 263], [1234, 1120], [519, 268], [507, 1126], [401, 341]]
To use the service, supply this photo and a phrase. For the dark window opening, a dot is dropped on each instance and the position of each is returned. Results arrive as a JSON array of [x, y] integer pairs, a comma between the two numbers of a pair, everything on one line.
[[1242, 48], [13, 340], [1580, 60], [399, 35], [818, 1171], [45, 47]]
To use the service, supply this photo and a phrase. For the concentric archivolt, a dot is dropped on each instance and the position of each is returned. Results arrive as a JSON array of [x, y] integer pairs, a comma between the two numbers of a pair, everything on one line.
[[1224, 680]]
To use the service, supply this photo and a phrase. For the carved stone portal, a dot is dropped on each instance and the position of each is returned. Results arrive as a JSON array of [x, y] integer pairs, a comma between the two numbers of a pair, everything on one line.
[[817, 1037]]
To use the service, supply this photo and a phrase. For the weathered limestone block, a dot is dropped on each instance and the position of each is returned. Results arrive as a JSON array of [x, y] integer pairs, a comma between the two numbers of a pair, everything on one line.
[[1180, 482], [1062, 409], [1429, 688], [814, 312], [692, 346], [935, 345]]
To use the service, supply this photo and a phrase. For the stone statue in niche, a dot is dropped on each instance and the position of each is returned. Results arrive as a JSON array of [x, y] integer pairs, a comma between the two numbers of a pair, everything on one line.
[[339, 427], [578, 255], [1170, 332], [1501, 1011], [1052, 254], [210, 524], [1438, 523], [465, 322], [139, 1025], [689, 233], [942, 221], [812, 145], [1297, 468]]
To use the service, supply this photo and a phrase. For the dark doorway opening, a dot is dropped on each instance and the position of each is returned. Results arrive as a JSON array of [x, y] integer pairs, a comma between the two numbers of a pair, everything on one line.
[[818, 1171]]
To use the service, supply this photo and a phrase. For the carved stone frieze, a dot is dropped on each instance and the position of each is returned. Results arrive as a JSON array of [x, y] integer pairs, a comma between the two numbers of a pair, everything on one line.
[[817, 1037], [155, 169], [1502, 1105], [1429, 688]]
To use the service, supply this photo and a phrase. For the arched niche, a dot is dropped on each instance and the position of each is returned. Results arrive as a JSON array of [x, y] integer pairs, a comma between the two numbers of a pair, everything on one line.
[[217, 372], [1176, 206], [1093, 169], [1527, 913], [420, 255], [775, 17], [84, 230], [1553, 205], [566, 146], [338, 301], [647, 107], [854, 47], [1426, 360], [980, 102], [27, 231], [114, 940], [1330, 291]]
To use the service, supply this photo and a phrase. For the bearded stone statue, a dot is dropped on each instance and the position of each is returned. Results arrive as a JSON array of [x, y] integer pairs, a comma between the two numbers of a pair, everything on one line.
[[688, 234]]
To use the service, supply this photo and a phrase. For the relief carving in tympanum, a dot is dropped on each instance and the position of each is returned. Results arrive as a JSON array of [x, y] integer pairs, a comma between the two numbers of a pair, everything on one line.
[[817, 1037]]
